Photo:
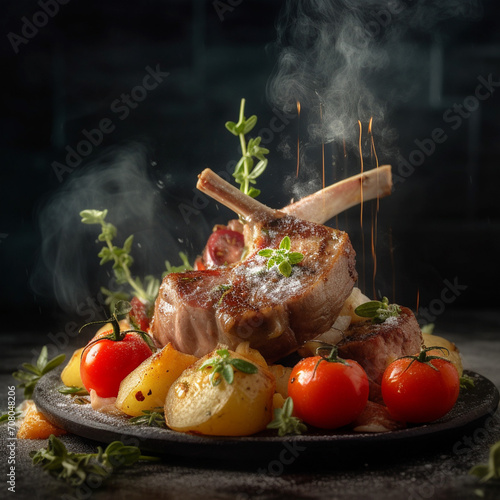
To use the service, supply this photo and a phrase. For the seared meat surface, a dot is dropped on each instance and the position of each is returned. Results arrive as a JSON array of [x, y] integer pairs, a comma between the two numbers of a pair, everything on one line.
[[245, 301], [374, 346]]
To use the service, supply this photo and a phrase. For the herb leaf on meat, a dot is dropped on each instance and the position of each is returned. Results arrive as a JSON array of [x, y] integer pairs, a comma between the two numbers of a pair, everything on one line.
[[282, 258], [378, 310]]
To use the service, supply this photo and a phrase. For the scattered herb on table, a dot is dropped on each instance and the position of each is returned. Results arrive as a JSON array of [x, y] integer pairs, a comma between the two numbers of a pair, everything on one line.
[[285, 422], [246, 171], [491, 470], [75, 468], [31, 374], [378, 310], [224, 366], [150, 418], [5, 416], [282, 258]]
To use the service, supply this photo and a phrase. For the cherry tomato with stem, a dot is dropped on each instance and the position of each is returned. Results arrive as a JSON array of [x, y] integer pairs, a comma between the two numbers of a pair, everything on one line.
[[421, 388], [112, 354], [327, 391]]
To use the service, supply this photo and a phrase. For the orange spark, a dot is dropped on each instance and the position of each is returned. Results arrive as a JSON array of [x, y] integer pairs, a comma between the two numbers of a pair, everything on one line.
[[418, 299], [373, 152], [374, 254], [298, 137], [361, 202]]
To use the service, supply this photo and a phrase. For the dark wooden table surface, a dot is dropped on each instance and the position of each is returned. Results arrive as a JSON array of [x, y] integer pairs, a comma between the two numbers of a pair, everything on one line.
[[438, 471]]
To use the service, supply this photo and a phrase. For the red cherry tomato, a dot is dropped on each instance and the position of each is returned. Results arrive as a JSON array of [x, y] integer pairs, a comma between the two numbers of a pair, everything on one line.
[[223, 247], [328, 394], [140, 314], [415, 392], [106, 363]]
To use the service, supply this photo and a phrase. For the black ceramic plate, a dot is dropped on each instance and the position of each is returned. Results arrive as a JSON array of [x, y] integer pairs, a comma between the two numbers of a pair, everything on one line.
[[473, 406]]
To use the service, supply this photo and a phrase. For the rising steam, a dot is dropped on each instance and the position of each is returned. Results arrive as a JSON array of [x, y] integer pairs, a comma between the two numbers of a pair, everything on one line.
[[349, 57], [69, 268]]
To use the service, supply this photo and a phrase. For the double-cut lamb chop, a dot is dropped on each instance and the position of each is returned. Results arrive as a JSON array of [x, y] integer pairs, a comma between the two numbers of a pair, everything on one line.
[[244, 301], [226, 245]]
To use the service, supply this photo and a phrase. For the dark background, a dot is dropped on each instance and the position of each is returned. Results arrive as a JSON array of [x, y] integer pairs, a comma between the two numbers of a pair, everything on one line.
[[441, 222]]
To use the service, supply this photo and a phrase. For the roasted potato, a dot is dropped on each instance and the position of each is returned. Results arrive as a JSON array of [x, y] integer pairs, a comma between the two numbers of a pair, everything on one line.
[[243, 407], [146, 387], [70, 375], [453, 355]]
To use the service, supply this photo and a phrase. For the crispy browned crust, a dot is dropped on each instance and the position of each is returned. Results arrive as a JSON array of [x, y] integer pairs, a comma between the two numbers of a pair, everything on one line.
[[374, 346]]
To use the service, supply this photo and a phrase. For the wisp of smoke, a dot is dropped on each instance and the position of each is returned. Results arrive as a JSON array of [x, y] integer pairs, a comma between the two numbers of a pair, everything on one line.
[[347, 57], [68, 268]]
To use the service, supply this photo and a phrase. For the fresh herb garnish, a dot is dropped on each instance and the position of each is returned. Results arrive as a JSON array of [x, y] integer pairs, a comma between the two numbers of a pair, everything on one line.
[[185, 266], [75, 468], [491, 470], [150, 418], [246, 171], [284, 422], [225, 289], [282, 258], [66, 389], [466, 382], [31, 374], [428, 328], [121, 308], [5, 416], [224, 366], [377, 310], [122, 260]]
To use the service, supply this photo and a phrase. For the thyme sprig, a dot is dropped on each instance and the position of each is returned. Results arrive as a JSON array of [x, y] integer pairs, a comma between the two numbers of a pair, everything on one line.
[[285, 422], [491, 470], [121, 259], [31, 374], [75, 468], [223, 367], [282, 258], [72, 389], [378, 310], [150, 418], [246, 171]]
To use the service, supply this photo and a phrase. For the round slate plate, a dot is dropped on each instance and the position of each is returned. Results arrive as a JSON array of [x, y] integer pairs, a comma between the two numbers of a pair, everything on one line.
[[473, 405]]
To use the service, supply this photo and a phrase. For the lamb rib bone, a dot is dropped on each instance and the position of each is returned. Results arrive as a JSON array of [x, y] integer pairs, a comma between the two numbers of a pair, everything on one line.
[[321, 206]]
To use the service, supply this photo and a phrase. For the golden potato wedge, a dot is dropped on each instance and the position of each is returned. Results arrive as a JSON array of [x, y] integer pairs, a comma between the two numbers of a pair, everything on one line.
[[241, 408], [281, 374], [146, 387], [453, 355], [70, 375]]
